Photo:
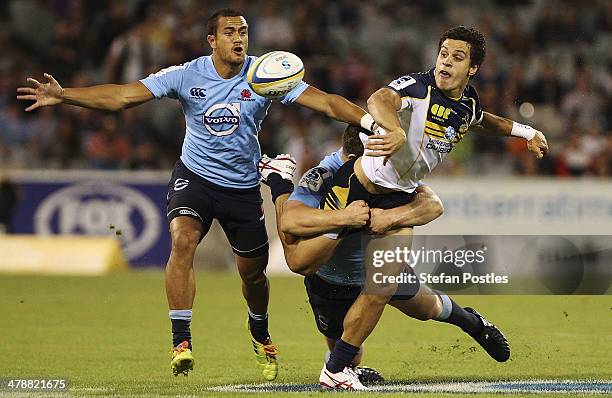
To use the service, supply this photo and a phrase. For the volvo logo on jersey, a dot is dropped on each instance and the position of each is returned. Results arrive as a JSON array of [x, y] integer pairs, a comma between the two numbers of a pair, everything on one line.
[[222, 119]]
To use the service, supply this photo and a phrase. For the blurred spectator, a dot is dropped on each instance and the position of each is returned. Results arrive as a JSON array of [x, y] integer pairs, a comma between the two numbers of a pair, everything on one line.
[[582, 105], [107, 148], [273, 29], [574, 159], [129, 55], [9, 198], [546, 88]]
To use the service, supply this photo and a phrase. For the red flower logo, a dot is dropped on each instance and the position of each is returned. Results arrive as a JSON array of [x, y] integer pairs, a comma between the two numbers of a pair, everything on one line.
[[245, 93]]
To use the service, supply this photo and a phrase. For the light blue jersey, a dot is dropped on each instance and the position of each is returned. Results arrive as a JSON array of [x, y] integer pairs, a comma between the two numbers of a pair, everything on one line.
[[223, 118], [345, 267]]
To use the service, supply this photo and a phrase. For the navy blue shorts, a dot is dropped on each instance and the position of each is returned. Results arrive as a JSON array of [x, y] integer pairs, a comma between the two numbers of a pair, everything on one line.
[[330, 302], [239, 211]]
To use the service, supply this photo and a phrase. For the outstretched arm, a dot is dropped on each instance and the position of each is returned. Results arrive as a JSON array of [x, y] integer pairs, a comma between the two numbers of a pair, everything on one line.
[[500, 126], [334, 106], [108, 97]]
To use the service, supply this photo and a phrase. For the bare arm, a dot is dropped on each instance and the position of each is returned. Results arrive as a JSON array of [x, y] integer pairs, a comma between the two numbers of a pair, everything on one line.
[[500, 126], [304, 255], [301, 220], [108, 97], [383, 106], [493, 125], [332, 105], [425, 208]]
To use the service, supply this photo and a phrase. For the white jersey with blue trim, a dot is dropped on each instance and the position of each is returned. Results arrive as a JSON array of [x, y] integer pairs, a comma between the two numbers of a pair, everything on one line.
[[345, 267], [222, 116], [433, 123]]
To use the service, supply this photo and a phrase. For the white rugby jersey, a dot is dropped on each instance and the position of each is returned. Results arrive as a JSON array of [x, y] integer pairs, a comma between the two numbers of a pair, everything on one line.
[[433, 124]]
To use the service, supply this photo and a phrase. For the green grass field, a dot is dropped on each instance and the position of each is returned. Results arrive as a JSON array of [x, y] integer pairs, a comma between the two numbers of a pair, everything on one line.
[[111, 336]]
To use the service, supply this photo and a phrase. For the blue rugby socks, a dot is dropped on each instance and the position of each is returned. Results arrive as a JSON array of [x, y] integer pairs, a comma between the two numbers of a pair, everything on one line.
[[258, 324], [181, 320], [341, 356]]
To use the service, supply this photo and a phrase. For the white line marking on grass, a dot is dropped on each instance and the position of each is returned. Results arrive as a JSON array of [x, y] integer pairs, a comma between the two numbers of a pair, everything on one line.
[[570, 387]]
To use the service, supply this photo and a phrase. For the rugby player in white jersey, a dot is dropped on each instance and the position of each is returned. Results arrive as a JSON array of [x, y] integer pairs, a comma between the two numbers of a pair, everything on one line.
[[438, 108], [340, 274], [216, 176]]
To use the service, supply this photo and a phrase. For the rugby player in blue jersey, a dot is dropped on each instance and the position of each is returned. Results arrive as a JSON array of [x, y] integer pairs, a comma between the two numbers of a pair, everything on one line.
[[216, 176]]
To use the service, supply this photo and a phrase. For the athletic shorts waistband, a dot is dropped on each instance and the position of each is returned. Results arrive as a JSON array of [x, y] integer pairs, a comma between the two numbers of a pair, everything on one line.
[[212, 185]]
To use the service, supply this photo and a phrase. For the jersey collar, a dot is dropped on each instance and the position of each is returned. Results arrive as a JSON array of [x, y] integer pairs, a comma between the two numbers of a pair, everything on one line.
[[432, 76], [215, 74]]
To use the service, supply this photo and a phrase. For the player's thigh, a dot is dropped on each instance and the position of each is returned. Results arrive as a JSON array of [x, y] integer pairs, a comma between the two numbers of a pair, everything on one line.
[[385, 263], [330, 303], [189, 208], [242, 219]]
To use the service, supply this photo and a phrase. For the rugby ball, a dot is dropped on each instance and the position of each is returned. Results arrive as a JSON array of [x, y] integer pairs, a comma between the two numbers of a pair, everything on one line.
[[276, 73]]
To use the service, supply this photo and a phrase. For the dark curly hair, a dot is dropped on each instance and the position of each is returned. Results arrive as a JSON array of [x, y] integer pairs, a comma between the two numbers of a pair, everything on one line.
[[351, 143], [473, 37], [213, 21]]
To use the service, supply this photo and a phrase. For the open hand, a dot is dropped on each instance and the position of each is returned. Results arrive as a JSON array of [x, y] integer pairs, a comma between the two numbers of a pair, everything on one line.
[[385, 144], [44, 94]]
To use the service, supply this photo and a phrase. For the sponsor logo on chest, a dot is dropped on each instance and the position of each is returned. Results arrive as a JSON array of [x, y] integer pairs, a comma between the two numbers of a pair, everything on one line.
[[222, 119]]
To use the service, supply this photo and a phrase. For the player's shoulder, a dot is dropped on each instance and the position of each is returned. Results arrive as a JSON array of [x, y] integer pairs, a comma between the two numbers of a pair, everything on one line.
[[414, 85], [199, 64], [319, 178], [470, 92]]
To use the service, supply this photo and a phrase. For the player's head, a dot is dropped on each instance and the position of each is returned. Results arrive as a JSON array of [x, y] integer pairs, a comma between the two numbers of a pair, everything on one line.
[[228, 35], [460, 53], [352, 147]]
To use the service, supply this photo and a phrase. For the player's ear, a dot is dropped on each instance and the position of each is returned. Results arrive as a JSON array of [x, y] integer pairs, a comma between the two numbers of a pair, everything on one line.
[[212, 41], [472, 70]]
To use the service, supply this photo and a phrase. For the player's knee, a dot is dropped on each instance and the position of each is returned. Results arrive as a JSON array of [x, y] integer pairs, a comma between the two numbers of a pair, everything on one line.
[[384, 292], [185, 241], [438, 207], [376, 300], [254, 277]]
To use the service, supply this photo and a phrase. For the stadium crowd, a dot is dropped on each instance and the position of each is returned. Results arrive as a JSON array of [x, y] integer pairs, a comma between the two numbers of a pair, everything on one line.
[[548, 64]]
